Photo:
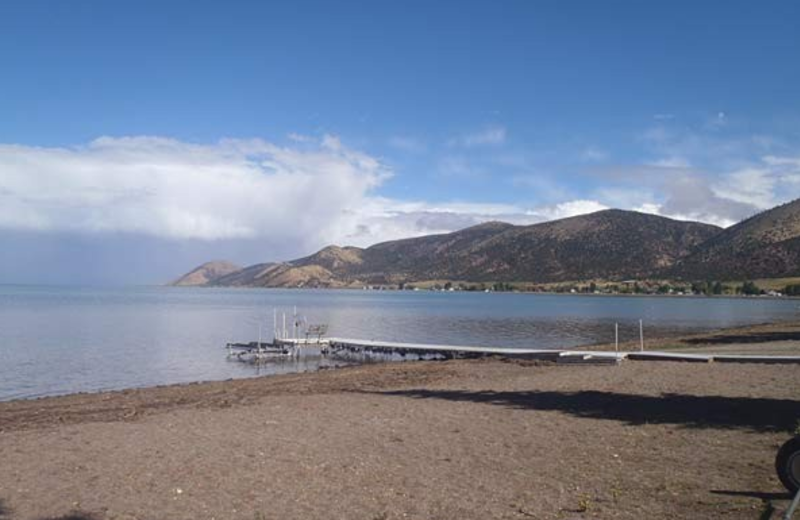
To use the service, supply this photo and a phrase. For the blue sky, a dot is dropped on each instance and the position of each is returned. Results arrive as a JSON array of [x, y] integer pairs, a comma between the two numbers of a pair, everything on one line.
[[160, 127]]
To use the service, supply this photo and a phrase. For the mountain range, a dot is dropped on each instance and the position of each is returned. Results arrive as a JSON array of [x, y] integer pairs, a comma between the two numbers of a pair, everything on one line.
[[606, 245]]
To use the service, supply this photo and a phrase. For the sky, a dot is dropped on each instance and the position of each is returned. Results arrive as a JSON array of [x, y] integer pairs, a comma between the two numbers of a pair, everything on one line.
[[139, 139]]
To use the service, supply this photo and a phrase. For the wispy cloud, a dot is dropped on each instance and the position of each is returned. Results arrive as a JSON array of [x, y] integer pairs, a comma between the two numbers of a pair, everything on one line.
[[490, 135], [460, 166], [593, 154], [671, 162], [387, 219], [299, 138], [407, 144], [672, 187], [543, 187]]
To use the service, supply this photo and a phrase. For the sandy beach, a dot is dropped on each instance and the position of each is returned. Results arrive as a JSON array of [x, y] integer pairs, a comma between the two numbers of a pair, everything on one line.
[[445, 440], [772, 339]]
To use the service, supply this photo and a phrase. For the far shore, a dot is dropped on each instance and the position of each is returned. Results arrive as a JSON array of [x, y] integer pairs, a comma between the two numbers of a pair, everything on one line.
[[459, 291]]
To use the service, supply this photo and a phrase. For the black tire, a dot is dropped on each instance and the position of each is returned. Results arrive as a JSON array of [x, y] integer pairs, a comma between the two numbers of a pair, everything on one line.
[[787, 464]]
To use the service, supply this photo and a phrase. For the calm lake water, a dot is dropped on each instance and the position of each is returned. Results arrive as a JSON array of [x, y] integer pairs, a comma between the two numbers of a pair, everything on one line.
[[56, 340]]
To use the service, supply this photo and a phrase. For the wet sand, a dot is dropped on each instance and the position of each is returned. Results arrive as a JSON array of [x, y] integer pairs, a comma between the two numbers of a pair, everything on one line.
[[440, 440]]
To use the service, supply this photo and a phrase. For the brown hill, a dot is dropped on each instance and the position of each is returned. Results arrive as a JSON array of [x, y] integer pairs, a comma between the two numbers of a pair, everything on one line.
[[206, 273], [334, 258], [247, 277], [611, 244], [283, 274], [766, 245]]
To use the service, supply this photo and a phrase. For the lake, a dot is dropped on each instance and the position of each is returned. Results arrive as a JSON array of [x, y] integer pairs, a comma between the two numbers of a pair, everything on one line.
[[57, 340]]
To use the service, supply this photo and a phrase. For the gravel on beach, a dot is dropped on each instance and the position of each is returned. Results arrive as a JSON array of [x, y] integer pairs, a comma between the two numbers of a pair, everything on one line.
[[422, 440]]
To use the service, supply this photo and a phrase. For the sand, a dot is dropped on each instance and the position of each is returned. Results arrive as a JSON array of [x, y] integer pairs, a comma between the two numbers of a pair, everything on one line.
[[418, 440], [778, 339]]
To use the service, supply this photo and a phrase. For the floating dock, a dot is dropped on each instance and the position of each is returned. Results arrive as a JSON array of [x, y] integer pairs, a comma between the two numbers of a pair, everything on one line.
[[345, 346]]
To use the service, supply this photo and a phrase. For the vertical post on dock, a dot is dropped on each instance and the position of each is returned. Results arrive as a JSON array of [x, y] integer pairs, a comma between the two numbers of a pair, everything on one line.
[[616, 337], [274, 324], [641, 336]]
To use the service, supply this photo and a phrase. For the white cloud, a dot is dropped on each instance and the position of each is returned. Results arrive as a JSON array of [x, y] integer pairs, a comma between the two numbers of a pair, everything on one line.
[[300, 138], [320, 191], [172, 189], [687, 197], [671, 162], [491, 135], [786, 169], [571, 209], [379, 219], [753, 186], [711, 173], [670, 186], [649, 207], [791, 162]]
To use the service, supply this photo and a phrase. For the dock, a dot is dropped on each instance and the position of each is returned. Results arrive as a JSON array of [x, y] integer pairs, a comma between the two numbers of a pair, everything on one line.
[[302, 339], [361, 347]]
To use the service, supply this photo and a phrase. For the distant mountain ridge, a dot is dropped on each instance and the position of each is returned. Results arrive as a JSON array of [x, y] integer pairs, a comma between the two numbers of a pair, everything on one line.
[[606, 245], [207, 273], [766, 245]]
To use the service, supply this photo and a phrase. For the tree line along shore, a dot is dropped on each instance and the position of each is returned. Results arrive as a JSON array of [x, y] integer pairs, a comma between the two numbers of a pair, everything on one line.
[[779, 287]]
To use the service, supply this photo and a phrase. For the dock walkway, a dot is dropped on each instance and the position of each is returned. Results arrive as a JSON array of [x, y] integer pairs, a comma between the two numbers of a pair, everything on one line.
[[557, 355]]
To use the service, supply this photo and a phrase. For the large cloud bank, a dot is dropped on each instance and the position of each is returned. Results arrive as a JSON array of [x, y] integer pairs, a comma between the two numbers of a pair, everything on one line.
[[311, 193], [160, 187]]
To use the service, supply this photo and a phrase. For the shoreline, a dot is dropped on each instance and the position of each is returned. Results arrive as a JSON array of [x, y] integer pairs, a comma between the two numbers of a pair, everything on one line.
[[461, 439], [681, 342], [752, 335], [423, 291]]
